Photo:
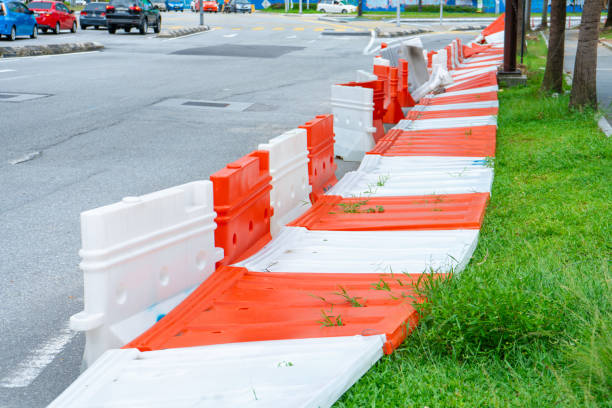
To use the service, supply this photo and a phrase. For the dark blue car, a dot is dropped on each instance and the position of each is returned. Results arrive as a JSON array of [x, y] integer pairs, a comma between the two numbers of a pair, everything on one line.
[[16, 19]]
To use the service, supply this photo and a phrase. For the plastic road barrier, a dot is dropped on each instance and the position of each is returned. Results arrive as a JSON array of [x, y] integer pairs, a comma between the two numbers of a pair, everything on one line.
[[393, 111], [353, 109], [289, 161], [477, 141], [321, 164], [405, 99], [378, 99], [240, 306], [140, 258], [407, 176], [474, 105], [305, 373], [410, 51], [450, 113], [359, 252], [242, 202], [438, 79], [444, 99], [458, 122], [495, 27], [488, 79], [427, 212]]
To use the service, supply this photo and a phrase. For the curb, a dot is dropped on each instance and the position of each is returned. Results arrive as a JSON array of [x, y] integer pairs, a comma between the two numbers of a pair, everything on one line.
[[605, 126], [469, 28], [50, 49], [183, 31], [346, 33], [605, 44], [387, 34]]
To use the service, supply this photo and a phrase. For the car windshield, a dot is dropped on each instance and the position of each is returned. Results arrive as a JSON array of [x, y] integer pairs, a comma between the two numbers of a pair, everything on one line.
[[95, 6], [123, 3], [42, 5]]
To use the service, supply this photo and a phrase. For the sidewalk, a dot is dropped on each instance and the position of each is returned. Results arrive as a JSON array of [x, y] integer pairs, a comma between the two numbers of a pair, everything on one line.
[[604, 70]]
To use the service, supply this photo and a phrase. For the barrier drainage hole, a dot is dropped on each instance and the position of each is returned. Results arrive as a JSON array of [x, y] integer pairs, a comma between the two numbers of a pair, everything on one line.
[[235, 239], [217, 332], [323, 165], [243, 308], [250, 226], [266, 213]]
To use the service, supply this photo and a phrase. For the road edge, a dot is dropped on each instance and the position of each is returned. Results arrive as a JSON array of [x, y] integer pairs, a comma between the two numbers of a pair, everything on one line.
[[49, 49]]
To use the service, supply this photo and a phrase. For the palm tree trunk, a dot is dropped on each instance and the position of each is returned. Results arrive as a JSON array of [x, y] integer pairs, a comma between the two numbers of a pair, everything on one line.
[[584, 84], [544, 22], [553, 75], [609, 19]]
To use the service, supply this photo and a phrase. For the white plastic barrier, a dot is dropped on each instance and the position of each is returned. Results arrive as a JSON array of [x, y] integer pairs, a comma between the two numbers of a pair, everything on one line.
[[446, 123], [439, 59], [455, 47], [140, 258], [495, 38], [439, 78], [470, 73], [481, 89], [410, 176], [304, 373], [364, 76], [289, 170], [300, 250], [352, 107]]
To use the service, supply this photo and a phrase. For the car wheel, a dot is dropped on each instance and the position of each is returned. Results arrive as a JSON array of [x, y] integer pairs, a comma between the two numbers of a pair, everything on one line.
[[157, 27], [343, 11], [127, 29], [34, 32], [144, 26], [322, 10], [44, 30], [74, 27], [96, 27], [57, 28], [112, 29], [83, 27], [13, 34]]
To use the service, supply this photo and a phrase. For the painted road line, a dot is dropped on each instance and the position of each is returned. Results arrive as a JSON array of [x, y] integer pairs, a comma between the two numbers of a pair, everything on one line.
[[258, 28], [230, 35], [319, 29], [278, 28], [31, 367], [6, 70], [298, 29]]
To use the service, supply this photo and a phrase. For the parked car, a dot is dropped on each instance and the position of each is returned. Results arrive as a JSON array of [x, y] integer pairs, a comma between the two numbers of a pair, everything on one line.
[[93, 15], [161, 4], [128, 14], [335, 6], [53, 15], [80, 3], [176, 5], [17, 19], [207, 5], [238, 6]]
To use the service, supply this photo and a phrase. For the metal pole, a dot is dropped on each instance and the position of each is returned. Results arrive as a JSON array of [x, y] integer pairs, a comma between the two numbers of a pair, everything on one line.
[[398, 13], [286, 6], [300, 6], [496, 6], [441, 11], [523, 30], [510, 36], [201, 13]]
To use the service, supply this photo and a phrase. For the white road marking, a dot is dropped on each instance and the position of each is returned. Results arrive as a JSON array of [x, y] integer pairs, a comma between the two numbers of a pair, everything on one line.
[[292, 36], [6, 70], [31, 367], [230, 35], [25, 158]]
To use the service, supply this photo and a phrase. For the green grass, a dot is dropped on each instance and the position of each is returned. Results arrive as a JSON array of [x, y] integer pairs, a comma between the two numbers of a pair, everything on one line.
[[529, 322]]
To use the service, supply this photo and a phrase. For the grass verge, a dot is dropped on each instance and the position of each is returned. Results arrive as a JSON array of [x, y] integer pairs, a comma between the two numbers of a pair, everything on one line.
[[529, 322]]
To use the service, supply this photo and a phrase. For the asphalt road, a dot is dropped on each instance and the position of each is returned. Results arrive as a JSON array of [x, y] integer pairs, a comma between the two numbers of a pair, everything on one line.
[[94, 127]]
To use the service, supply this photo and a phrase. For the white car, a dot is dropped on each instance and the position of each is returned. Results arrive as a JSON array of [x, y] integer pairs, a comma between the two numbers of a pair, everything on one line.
[[335, 6]]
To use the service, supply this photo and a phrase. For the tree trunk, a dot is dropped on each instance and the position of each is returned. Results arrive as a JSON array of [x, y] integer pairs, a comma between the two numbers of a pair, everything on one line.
[[544, 22], [520, 16], [609, 19], [553, 76], [360, 8], [584, 84], [528, 16], [421, 5]]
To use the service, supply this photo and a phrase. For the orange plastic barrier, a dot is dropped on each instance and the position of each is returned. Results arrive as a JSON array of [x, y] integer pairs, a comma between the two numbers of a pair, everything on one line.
[[405, 99], [454, 113], [477, 141], [241, 194], [459, 50], [383, 72], [488, 79], [440, 99], [474, 49], [235, 305], [449, 58], [321, 165], [378, 88], [393, 112], [431, 212], [496, 26], [430, 55]]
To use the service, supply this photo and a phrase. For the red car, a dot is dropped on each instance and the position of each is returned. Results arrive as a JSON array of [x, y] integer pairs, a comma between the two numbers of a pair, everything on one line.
[[53, 15], [210, 6]]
